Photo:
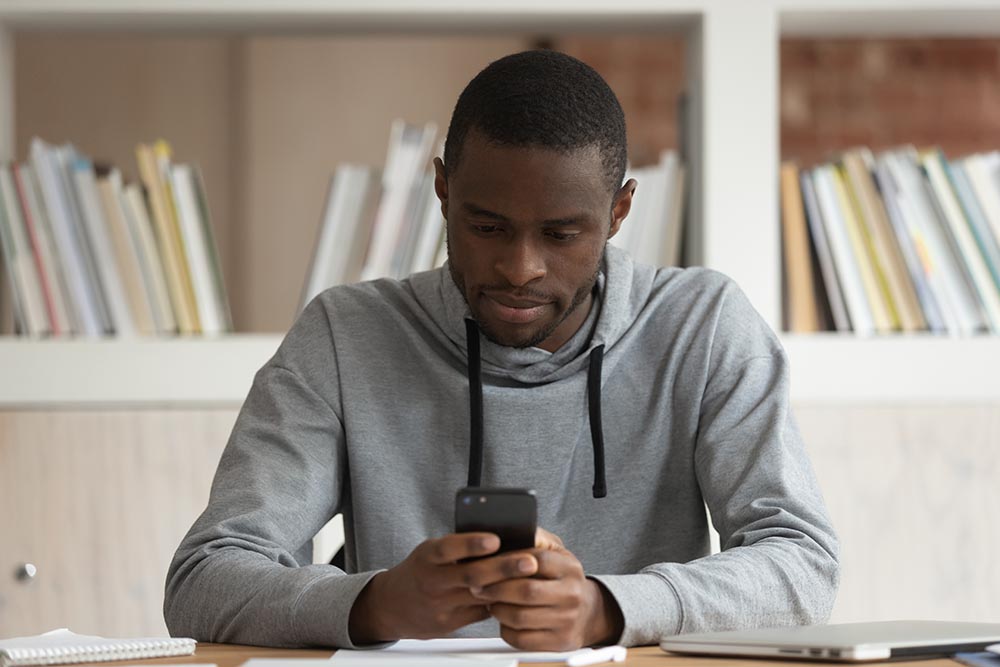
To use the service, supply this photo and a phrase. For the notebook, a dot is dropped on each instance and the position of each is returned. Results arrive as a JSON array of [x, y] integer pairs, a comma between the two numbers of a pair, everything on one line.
[[62, 646], [846, 642]]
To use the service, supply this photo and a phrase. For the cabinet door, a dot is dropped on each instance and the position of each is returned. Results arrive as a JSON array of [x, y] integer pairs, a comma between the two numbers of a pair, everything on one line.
[[97, 502]]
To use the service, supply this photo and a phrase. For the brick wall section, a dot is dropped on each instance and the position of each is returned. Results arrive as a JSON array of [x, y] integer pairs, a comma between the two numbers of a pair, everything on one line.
[[834, 93], [881, 93], [647, 74]]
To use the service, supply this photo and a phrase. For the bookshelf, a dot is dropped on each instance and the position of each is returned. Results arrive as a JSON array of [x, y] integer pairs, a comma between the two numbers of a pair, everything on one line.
[[732, 63], [875, 412]]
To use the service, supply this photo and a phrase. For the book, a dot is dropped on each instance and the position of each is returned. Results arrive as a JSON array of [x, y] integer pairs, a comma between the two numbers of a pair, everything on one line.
[[109, 275], [168, 240], [30, 309], [150, 260], [66, 234], [63, 646], [126, 256], [896, 280], [855, 300], [801, 311], [882, 309], [914, 254], [199, 245], [50, 272], [406, 160], [986, 239], [955, 222], [347, 202], [824, 256], [948, 276]]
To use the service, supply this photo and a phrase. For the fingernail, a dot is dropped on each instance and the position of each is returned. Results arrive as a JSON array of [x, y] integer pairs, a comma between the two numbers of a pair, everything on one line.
[[475, 590], [525, 565]]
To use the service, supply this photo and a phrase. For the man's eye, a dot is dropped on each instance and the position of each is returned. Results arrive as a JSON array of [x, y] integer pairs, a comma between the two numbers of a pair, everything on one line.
[[562, 236], [485, 229]]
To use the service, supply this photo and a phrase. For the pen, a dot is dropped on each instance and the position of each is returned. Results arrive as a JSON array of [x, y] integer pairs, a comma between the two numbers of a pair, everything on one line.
[[605, 654]]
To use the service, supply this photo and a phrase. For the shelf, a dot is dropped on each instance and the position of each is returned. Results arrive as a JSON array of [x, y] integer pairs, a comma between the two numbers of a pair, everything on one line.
[[333, 16], [889, 18], [154, 372], [826, 368], [829, 368]]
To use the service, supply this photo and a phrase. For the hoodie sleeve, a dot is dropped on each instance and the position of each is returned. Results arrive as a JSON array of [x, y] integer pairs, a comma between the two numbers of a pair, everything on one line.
[[242, 573], [779, 559]]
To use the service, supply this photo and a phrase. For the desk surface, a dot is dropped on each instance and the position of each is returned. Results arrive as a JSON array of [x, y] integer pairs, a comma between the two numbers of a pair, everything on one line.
[[228, 655]]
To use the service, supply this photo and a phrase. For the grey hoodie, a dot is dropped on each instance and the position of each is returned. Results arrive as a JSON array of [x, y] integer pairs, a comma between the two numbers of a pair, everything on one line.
[[364, 411]]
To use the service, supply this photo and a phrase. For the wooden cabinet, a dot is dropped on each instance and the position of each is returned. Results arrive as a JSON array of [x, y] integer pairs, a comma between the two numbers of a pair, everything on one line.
[[97, 502]]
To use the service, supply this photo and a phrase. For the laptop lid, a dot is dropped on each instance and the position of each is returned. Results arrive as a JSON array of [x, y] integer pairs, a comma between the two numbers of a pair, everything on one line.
[[846, 642]]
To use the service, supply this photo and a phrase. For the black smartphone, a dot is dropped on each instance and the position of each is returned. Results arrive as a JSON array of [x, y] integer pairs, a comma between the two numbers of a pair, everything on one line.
[[512, 514]]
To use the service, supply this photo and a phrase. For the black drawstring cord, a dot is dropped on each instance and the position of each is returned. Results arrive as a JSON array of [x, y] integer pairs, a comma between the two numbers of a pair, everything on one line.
[[596, 430], [476, 411], [475, 404]]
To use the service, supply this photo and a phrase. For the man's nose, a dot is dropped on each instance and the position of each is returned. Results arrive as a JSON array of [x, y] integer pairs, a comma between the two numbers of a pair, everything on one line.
[[521, 262]]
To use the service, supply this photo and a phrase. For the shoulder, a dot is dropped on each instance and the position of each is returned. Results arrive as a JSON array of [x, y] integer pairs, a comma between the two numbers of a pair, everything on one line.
[[711, 311]]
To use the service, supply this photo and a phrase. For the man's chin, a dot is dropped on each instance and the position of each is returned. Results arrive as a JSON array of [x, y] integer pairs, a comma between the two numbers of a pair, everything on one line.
[[518, 337]]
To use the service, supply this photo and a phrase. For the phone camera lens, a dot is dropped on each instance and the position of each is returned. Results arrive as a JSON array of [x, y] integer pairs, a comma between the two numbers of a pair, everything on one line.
[[482, 499], [466, 500]]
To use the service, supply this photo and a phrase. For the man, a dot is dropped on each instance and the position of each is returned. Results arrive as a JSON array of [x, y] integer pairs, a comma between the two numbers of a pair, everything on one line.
[[628, 397]]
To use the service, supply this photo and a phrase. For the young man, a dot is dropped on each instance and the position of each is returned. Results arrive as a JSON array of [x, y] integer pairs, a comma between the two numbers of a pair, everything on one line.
[[629, 397]]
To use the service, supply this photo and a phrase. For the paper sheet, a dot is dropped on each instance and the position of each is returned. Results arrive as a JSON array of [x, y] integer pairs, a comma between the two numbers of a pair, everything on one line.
[[478, 650]]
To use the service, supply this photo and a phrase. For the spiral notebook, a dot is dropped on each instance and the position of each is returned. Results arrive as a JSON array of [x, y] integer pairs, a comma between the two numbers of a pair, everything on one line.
[[62, 646]]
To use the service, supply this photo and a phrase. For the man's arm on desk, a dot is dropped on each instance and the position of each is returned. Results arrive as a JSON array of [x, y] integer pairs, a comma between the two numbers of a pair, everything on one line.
[[779, 558]]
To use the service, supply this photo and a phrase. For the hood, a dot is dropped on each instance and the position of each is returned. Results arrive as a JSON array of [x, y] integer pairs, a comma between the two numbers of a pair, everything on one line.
[[609, 318]]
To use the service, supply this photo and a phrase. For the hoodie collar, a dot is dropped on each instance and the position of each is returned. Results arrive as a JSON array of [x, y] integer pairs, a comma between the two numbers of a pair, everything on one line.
[[604, 325]]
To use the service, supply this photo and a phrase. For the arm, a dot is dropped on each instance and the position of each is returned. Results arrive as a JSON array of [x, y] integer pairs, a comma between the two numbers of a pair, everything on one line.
[[778, 564], [242, 573]]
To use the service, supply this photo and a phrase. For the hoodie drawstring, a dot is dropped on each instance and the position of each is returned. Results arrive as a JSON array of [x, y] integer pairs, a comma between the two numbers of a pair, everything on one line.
[[476, 411]]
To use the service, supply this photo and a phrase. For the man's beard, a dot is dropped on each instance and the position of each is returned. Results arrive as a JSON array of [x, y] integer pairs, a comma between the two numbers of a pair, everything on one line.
[[579, 297]]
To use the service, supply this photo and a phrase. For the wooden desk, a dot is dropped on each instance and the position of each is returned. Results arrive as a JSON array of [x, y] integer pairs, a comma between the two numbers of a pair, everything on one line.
[[229, 655]]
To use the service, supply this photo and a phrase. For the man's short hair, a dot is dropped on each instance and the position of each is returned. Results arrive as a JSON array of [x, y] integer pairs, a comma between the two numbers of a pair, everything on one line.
[[541, 99]]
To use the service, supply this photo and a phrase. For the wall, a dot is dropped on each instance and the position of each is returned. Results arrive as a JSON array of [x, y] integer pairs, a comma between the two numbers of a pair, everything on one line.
[[841, 93]]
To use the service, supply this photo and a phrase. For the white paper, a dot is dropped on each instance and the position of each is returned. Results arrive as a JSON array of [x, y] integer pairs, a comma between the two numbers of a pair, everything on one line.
[[478, 650], [287, 662]]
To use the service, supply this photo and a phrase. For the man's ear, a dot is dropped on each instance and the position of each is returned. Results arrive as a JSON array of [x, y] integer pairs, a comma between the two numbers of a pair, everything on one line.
[[441, 186], [621, 205]]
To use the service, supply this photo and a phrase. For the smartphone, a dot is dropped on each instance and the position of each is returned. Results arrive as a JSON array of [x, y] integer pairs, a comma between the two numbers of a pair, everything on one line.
[[512, 514]]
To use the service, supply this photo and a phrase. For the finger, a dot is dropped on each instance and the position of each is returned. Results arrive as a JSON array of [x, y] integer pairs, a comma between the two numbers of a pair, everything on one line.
[[488, 571], [524, 592], [536, 640], [519, 617], [471, 614], [546, 540], [455, 547], [557, 564]]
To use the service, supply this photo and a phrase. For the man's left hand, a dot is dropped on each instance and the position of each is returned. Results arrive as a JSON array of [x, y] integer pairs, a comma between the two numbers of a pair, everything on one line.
[[558, 609]]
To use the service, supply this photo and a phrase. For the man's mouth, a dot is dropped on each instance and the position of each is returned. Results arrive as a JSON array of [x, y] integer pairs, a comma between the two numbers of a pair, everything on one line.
[[515, 310]]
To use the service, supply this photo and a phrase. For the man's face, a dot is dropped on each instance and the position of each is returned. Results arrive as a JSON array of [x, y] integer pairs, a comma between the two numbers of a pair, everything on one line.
[[526, 232]]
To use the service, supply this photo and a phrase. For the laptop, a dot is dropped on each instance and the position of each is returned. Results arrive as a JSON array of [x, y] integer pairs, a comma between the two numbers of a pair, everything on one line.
[[847, 642]]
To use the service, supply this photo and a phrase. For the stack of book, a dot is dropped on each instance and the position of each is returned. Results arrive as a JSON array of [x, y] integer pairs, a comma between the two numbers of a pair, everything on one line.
[[88, 254], [388, 223], [652, 232], [905, 241]]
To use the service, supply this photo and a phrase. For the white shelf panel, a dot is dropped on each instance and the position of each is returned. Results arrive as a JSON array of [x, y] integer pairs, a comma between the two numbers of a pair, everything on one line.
[[347, 15], [832, 368], [826, 368], [889, 18], [160, 372]]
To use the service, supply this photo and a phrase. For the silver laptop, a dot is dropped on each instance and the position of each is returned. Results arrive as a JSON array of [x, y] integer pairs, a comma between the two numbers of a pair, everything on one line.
[[847, 642]]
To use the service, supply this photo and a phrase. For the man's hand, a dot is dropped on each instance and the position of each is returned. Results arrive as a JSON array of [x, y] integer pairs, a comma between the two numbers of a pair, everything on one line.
[[428, 594], [559, 609]]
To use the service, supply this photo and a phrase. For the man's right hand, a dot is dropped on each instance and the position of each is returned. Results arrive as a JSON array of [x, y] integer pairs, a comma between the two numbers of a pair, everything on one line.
[[428, 594]]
